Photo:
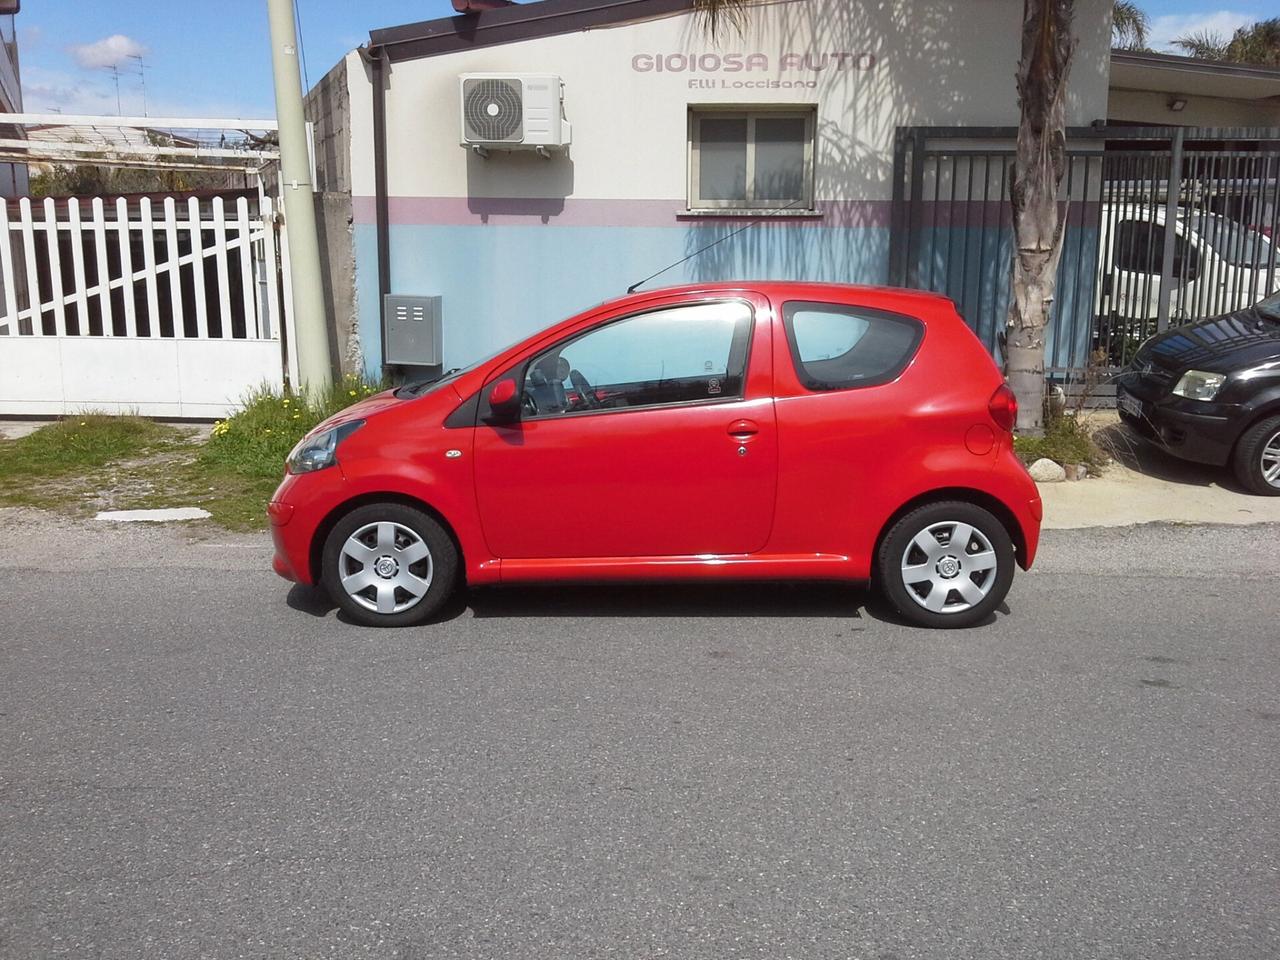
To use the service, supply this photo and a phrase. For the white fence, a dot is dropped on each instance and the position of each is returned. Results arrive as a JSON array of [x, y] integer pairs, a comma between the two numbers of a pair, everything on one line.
[[170, 308]]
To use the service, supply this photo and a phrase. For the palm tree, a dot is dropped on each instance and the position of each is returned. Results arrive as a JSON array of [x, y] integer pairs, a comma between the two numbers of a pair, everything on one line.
[[1129, 26], [1203, 45], [1258, 43]]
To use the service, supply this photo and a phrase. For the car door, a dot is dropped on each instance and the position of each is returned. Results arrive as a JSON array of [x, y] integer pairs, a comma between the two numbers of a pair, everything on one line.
[[1132, 281], [650, 433]]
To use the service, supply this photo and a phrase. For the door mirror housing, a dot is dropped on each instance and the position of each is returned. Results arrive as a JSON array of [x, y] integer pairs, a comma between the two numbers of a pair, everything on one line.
[[504, 400]]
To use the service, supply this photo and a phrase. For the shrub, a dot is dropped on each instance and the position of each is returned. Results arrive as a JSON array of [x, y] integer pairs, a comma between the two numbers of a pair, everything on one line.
[[1065, 440], [255, 440]]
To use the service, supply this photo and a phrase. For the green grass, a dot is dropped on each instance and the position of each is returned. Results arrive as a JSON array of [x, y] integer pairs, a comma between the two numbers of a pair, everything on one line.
[[244, 458], [44, 468], [92, 462], [1065, 440]]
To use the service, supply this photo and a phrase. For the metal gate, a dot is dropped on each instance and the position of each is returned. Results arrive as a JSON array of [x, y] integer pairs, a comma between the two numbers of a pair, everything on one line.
[[174, 308], [1123, 276]]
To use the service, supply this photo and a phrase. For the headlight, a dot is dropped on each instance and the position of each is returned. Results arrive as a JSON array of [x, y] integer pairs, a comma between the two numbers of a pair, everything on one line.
[[320, 451], [1199, 385]]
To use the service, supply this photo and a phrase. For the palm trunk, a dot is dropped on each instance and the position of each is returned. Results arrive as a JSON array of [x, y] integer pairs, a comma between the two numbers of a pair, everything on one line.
[[1038, 167]]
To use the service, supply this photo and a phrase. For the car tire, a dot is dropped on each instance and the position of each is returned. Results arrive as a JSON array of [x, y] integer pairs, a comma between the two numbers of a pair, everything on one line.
[[1257, 457], [389, 565], [933, 584]]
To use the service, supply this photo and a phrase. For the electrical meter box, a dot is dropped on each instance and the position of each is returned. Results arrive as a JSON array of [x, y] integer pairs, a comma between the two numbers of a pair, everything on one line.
[[411, 331]]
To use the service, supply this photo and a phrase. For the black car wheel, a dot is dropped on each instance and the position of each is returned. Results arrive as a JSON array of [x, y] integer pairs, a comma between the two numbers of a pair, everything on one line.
[[1257, 458], [389, 565], [946, 564]]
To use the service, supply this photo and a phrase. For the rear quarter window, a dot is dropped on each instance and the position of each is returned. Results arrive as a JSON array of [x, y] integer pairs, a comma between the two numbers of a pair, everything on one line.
[[835, 346]]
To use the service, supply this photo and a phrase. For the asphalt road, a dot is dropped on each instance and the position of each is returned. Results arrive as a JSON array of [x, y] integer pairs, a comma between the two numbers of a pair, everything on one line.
[[196, 761]]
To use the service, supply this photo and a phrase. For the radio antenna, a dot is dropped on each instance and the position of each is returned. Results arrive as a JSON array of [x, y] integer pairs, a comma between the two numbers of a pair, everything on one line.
[[728, 236]]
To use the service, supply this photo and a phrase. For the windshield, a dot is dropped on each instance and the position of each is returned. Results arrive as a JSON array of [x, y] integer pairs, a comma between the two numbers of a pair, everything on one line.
[[1231, 240]]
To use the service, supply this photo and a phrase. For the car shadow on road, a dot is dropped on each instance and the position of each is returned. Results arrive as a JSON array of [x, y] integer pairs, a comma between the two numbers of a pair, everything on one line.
[[820, 600], [1148, 458]]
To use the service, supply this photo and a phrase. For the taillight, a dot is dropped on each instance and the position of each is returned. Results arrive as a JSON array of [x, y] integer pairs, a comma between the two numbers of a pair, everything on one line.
[[1004, 408]]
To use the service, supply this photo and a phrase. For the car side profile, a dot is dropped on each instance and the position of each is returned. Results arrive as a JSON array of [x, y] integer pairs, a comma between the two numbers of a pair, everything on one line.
[[780, 431]]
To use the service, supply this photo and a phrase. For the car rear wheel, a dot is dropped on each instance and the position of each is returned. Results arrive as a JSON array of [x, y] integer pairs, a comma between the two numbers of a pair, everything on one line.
[[389, 565], [947, 564], [1257, 458]]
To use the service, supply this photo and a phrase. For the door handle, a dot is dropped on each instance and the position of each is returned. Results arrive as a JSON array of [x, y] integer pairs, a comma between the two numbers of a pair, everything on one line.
[[743, 428]]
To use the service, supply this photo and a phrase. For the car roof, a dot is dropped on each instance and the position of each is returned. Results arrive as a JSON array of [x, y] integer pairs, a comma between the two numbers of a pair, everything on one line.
[[789, 290]]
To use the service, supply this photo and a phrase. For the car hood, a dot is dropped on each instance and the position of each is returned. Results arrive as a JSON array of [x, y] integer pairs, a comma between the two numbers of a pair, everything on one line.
[[1231, 342], [360, 410]]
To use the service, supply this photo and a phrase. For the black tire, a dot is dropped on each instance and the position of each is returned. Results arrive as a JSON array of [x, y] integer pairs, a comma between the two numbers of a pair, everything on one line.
[[935, 522], [438, 569], [1246, 462]]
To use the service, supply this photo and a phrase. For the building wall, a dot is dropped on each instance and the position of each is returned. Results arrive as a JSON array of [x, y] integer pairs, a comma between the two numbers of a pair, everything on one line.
[[328, 108], [1143, 106], [516, 241]]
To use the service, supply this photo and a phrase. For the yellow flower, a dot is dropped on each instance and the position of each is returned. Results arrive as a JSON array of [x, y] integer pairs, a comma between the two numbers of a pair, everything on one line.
[[297, 416], [351, 392], [286, 401]]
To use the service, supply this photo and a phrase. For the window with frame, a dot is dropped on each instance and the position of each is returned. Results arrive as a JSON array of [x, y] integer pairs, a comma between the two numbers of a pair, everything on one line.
[[751, 159], [836, 346], [677, 355]]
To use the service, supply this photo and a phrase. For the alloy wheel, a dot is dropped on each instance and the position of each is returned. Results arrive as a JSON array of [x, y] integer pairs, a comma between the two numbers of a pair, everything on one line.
[[949, 567], [385, 567], [1270, 461]]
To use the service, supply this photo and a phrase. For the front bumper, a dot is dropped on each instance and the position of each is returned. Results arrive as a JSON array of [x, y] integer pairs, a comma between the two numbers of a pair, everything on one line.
[[296, 510], [1203, 432]]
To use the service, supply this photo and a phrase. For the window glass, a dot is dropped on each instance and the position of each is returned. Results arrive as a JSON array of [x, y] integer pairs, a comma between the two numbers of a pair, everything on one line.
[[722, 159], [779, 158], [751, 159], [1139, 248], [835, 346], [678, 355], [1136, 246]]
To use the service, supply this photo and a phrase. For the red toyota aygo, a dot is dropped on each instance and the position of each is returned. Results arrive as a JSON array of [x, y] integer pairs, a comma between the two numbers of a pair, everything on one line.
[[771, 431]]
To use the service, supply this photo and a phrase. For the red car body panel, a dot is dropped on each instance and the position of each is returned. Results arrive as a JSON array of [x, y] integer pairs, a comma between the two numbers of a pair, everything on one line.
[[664, 492]]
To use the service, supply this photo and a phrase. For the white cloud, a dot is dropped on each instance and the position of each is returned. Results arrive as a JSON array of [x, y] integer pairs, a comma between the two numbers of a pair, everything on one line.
[[110, 51], [1164, 30]]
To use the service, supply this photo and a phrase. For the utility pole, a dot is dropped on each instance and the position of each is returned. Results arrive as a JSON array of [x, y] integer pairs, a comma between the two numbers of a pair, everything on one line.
[[311, 323]]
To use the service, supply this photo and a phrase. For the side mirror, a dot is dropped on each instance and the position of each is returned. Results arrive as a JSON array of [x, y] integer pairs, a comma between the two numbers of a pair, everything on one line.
[[504, 399]]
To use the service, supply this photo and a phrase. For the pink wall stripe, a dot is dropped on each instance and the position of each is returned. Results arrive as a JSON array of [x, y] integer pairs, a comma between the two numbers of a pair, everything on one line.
[[572, 212]]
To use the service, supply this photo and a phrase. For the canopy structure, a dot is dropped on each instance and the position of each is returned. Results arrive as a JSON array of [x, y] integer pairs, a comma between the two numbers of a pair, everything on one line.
[[232, 144]]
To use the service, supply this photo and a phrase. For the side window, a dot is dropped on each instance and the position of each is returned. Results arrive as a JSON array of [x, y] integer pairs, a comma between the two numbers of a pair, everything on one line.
[[677, 355], [1186, 260], [834, 346], [1139, 248], [1137, 245]]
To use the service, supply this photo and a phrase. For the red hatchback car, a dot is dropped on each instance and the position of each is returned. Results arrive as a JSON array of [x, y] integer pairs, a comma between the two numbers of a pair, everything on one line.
[[727, 431]]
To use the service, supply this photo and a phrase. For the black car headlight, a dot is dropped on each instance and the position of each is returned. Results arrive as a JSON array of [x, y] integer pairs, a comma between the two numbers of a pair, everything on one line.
[[320, 450], [1199, 385]]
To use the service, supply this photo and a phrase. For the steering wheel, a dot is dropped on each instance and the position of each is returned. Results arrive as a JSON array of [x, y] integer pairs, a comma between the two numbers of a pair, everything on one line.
[[529, 403], [585, 390]]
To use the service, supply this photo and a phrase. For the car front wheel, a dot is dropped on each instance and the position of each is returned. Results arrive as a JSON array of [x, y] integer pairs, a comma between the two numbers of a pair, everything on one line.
[[1257, 458], [389, 565], [946, 564]]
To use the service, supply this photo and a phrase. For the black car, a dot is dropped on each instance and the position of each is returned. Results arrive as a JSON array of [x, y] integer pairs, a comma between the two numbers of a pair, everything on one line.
[[1210, 392]]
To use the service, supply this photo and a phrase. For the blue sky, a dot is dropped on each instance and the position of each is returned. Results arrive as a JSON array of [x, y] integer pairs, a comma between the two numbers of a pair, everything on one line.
[[211, 57]]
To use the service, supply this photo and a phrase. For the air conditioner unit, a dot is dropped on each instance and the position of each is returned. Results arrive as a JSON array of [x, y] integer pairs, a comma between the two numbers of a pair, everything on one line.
[[510, 111]]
